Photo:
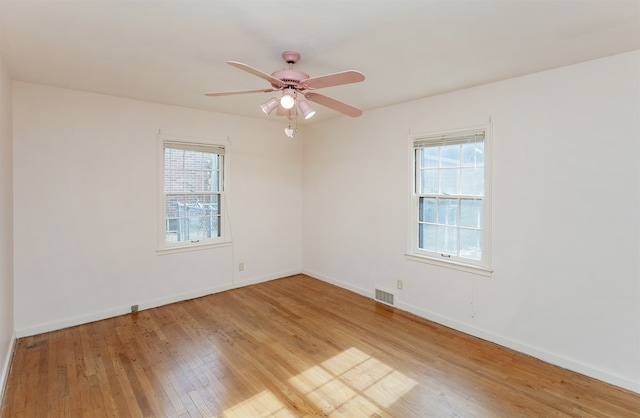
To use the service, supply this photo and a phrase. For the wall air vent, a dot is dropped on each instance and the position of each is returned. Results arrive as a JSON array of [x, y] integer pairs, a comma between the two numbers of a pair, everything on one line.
[[385, 297]]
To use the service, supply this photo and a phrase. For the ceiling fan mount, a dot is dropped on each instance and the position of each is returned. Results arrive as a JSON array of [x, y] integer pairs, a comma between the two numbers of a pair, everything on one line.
[[290, 57], [291, 82]]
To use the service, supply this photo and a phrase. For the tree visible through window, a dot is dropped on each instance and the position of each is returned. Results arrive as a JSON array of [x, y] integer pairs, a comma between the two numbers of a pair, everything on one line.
[[193, 192], [450, 198]]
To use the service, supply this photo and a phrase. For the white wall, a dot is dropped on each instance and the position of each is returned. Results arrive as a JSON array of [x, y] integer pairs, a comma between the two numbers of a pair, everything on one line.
[[85, 206], [566, 285], [7, 336]]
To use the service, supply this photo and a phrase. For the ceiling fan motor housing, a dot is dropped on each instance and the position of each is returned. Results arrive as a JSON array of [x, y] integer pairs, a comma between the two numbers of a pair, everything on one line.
[[290, 77]]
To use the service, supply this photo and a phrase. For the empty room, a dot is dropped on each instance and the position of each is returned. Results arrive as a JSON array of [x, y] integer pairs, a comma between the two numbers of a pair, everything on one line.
[[377, 208]]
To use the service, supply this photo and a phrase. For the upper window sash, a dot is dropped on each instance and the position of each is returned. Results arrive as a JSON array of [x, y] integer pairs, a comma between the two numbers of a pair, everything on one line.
[[450, 170]]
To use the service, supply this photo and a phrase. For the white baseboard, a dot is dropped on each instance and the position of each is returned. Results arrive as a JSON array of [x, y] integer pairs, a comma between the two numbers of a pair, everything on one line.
[[364, 292], [265, 278], [543, 355], [6, 367], [115, 311], [122, 310], [498, 339]]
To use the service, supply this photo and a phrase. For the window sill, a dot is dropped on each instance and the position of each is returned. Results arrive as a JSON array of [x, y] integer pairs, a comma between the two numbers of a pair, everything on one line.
[[192, 247], [483, 271]]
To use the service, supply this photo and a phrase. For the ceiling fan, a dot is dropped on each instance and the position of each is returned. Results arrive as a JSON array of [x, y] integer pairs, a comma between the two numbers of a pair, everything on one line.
[[297, 86]]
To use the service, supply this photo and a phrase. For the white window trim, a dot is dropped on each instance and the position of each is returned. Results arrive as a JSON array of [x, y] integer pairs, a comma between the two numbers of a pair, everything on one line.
[[225, 234], [482, 268]]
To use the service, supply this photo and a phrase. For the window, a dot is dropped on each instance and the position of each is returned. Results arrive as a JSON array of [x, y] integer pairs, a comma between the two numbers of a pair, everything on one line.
[[192, 198], [450, 199]]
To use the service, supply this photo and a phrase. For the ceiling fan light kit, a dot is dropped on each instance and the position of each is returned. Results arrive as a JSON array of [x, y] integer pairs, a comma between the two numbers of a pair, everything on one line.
[[288, 99], [291, 82], [268, 106], [306, 109]]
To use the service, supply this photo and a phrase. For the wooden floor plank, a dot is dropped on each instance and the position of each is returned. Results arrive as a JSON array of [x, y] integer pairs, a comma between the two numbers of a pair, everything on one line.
[[292, 347]]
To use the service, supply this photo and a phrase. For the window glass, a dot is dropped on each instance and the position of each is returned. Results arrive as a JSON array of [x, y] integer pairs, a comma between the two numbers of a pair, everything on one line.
[[470, 213]]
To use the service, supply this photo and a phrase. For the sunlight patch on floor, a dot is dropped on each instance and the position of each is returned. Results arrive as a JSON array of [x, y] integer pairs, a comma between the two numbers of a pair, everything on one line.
[[264, 404], [352, 380], [351, 383]]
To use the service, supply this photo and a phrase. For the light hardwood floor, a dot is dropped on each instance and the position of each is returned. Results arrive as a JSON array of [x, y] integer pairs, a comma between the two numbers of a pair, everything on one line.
[[289, 348]]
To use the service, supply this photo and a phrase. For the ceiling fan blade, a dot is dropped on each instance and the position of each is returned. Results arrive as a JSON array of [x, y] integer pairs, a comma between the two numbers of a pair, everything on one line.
[[337, 79], [229, 93], [333, 104], [274, 81]]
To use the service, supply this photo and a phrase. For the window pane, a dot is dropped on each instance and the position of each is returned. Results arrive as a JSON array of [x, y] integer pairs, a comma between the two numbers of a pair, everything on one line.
[[172, 230], [207, 161], [473, 181], [171, 206], [427, 237], [192, 180], [216, 174], [470, 244], [191, 171], [448, 211], [192, 217], [427, 210], [170, 183], [216, 180], [429, 181], [473, 154], [211, 203], [175, 218], [202, 227], [173, 159], [212, 212], [193, 160], [195, 228], [447, 240], [470, 213], [206, 180], [450, 156], [215, 226], [212, 174], [450, 181], [429, 157]]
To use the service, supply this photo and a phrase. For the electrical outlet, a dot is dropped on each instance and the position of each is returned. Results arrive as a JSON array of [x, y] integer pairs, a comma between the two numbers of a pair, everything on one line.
[[399, 284], [134, 308], [241, 267]]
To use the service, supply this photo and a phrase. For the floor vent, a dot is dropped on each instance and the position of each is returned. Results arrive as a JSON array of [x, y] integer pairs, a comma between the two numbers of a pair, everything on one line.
[[385, 297]]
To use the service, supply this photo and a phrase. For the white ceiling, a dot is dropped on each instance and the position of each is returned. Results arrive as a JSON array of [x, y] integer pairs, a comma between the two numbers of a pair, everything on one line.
[[173, 51]]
